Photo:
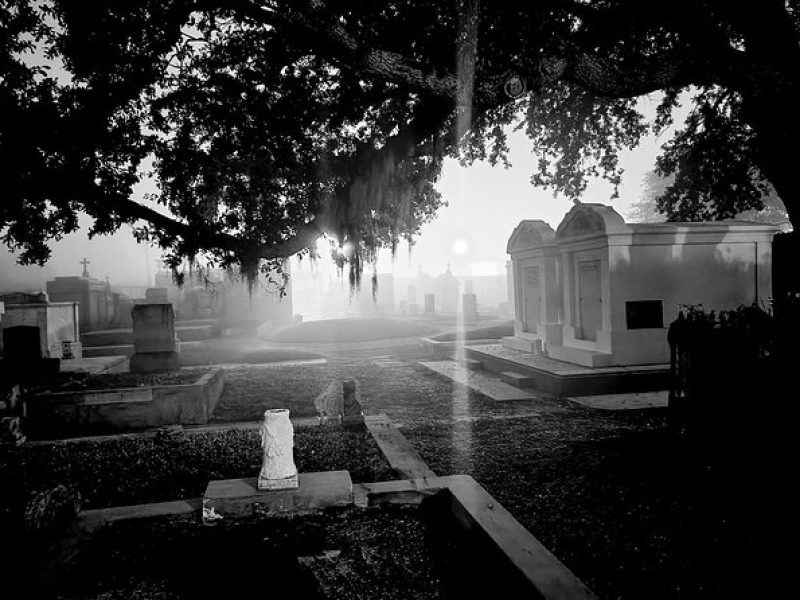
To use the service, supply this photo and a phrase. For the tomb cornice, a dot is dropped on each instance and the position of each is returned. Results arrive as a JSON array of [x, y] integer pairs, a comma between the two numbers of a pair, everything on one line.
[[530, 233], [589, 220]]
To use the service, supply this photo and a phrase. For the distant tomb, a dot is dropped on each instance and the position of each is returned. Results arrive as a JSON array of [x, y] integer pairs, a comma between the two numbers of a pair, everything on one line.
[[156, 348], [469, 304], [96, 300], [601, 292], [430, 306], [446, 286]]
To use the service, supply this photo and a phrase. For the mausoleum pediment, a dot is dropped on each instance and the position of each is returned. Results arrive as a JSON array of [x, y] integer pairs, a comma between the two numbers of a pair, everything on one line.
[[529, 234], [588, 219]]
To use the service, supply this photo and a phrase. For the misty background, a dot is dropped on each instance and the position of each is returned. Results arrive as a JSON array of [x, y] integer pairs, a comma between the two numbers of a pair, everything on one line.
[[469, 235]]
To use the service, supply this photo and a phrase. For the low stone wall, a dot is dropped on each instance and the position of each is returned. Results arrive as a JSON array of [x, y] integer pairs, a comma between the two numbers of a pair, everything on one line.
[[446, 349], [101, 411]]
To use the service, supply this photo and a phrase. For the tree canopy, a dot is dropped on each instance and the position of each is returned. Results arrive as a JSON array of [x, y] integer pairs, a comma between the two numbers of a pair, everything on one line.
[[266, 123]]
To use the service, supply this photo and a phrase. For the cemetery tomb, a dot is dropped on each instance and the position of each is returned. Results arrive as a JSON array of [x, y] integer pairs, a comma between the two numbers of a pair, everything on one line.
[[33, 328], [536, 294], [96, 300], [602, 292], [446, 287]]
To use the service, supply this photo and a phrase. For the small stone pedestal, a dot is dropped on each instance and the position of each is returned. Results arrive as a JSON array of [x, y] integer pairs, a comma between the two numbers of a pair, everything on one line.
[[155, 346]]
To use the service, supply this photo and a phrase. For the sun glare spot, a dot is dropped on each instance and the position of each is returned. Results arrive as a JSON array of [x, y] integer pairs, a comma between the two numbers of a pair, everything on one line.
[[460, 247]]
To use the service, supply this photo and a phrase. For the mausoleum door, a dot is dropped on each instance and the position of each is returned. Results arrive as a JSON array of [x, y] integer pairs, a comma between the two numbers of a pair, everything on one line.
[[532, 298], [589, 300]]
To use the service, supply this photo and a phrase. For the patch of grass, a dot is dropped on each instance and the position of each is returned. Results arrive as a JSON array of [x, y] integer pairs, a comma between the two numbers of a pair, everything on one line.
[[493, 332], [351, 330], [216, 351], [621, 500], [379, 553], [138, 469]]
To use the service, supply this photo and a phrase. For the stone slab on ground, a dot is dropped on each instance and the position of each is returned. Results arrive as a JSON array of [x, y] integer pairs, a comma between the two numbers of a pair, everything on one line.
[[485, 383], [95, 365], [399, 452], [566, 379], [559, 367], [633, 401], [242, 498]]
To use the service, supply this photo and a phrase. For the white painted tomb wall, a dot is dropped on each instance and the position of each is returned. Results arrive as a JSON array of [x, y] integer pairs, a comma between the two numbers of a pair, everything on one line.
[[620, 285], [536, 294]]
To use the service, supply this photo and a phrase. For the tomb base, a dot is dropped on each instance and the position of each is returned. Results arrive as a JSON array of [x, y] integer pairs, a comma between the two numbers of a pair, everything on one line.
[[242, 498], [155, 362], [285, 483]]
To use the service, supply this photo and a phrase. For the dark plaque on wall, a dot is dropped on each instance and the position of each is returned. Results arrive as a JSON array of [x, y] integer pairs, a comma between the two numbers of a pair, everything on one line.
[[644, 314]]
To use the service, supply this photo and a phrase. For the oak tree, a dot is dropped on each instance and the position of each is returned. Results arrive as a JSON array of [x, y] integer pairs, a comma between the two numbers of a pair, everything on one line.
[[266, 123]]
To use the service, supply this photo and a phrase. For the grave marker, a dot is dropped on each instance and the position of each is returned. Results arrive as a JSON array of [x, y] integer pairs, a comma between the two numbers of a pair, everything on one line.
[[156, 348]]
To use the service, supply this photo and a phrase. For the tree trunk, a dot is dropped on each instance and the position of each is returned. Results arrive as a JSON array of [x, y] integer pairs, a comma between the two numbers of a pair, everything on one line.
[[774, 114]]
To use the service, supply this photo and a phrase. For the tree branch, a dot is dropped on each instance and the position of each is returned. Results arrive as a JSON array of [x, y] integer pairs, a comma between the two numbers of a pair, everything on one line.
[[304, 237]]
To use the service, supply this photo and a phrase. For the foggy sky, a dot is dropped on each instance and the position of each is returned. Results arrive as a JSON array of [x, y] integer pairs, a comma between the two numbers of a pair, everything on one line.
[[485, 204]]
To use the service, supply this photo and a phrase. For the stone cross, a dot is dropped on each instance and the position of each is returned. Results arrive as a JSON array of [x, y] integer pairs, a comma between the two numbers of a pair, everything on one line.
[[85, 262]]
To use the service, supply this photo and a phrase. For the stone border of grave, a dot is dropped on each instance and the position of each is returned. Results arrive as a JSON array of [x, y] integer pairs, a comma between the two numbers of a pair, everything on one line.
[[79, 412], [480, 520], [439, 349]]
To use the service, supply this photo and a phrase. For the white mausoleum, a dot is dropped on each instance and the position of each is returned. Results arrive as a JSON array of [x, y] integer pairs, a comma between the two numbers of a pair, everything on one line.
[[601, 292]]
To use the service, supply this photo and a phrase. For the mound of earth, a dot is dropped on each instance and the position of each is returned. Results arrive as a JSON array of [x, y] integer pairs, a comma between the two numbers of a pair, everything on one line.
[[351, 330], [493, 332]]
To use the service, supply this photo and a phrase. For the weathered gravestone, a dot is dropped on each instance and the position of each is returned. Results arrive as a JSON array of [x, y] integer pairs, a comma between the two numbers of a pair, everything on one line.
[[155, 346], [352, 411]]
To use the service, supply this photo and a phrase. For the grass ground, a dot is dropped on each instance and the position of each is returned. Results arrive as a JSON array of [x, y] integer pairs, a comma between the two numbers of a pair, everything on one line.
[[616, 496], [352, 330], [137, 470]]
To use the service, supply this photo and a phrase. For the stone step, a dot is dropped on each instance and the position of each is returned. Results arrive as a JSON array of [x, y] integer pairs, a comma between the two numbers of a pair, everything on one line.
[[471, 364], [530, 345], [580, 356], [518, 379]]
